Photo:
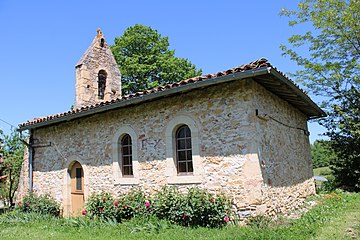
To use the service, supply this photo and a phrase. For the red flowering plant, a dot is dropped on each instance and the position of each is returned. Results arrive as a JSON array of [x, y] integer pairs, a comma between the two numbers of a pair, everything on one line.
[[126, 206], [198, 207], [206, 209], [43, 204], [169, 203], [83, 212], [102, 206], [133, 203]]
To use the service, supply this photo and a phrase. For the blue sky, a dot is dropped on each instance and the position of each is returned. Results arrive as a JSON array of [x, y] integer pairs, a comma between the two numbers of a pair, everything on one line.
[[42, 41]]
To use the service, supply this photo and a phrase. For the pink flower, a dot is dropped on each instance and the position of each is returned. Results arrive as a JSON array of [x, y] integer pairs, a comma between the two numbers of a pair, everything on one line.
[[101, 210], [116, 203], [83, 212], [103, 198], [34, 205], [212, 200], [147, 204], [19, 203], [226, 219]]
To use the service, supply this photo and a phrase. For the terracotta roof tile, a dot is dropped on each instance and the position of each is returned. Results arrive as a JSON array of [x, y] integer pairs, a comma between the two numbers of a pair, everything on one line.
[[261, 63]]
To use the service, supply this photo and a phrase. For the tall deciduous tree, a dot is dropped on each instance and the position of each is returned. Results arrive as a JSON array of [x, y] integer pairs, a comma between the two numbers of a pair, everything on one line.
[[145, 60], [12, 152], [329, 55]]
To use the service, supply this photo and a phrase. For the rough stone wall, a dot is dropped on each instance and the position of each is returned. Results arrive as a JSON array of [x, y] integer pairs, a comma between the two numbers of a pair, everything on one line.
[[229, 139], [284, 152], [96, 58]]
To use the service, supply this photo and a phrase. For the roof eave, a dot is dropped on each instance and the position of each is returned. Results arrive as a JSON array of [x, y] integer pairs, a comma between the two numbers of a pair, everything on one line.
[[181, 89], [298, 91], [152, 96]]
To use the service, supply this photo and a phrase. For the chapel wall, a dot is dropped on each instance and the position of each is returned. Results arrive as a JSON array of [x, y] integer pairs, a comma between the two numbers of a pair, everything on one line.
[[229, 143], [284, 152]]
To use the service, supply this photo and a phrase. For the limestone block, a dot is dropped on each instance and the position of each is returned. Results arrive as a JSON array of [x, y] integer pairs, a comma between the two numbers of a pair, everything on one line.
[[85, 74]]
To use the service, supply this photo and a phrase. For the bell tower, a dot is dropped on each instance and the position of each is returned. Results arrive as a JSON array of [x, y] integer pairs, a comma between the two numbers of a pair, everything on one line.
[[98, 78]]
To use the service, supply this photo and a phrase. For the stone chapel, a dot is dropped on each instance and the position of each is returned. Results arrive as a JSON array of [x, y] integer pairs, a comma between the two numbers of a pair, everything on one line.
[[242, 131]]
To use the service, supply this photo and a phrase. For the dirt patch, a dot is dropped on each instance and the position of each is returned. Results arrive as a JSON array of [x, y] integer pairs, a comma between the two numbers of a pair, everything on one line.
[[350, 232]]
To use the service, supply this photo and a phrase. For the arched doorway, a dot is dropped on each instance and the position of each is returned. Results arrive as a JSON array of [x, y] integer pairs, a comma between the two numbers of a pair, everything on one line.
[[77, 188]]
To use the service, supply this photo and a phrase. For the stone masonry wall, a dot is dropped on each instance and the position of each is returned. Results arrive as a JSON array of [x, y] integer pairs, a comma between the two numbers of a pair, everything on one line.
[[232, 143], [96, 58], [284, 153]]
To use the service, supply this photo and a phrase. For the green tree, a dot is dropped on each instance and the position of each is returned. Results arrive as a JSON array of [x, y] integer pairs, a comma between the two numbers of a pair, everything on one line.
[[145, 60], [322, 153], [346, 140], [329, 56], [12, 152], [330, 53]]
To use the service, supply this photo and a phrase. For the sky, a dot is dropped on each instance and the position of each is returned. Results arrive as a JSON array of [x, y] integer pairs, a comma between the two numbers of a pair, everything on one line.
[[42, 41]]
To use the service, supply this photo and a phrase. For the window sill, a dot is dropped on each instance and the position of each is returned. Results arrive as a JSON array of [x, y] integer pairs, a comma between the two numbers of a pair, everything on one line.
[[185, 179], [127, 181]]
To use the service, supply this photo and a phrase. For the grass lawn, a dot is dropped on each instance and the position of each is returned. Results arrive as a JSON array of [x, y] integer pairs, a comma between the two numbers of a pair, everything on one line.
[[323, 171], [335, 217]]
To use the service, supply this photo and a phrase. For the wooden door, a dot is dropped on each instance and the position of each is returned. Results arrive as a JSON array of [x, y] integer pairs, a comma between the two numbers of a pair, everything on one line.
[[77, 188]]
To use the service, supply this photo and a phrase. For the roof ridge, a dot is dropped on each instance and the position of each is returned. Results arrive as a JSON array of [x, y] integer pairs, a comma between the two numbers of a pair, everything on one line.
[[260, 63]]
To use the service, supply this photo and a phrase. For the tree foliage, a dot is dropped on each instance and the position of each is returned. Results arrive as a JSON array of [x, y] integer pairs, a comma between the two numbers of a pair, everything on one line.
[[322, 153], [145, 60], [329, 55], [332, 66], [346, 140], [12, 152]]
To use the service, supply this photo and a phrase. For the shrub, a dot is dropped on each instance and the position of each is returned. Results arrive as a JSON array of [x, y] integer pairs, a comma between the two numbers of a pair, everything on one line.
[[134, 203], [196, 208], [43, 204], [107, 207], [205, 209], [102, 206], [170, 204]]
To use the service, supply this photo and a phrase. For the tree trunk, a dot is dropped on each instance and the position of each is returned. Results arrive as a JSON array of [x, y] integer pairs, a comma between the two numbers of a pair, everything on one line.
[[10, 189]]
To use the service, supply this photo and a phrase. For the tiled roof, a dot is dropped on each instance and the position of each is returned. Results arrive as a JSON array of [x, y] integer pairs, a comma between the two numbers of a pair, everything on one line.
[[258, 64]]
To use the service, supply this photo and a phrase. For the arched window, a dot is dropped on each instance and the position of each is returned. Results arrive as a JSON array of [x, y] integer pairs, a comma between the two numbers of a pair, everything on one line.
[[183, 150], [102, 75], [126, 156]]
